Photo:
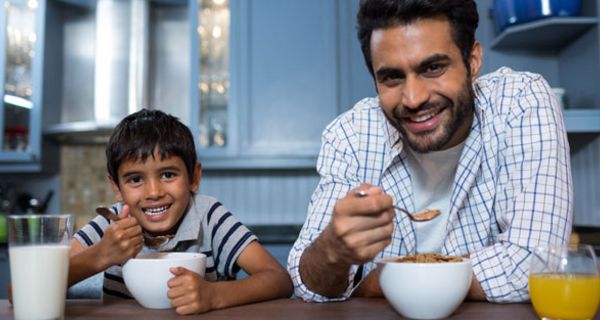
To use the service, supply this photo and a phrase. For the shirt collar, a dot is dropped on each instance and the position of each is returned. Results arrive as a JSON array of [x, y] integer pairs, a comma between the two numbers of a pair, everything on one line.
[[393, 139], [188, 229]]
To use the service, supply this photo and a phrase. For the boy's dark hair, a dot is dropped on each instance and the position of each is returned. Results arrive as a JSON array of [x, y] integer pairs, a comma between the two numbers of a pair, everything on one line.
[[381, 14], [140, 133]]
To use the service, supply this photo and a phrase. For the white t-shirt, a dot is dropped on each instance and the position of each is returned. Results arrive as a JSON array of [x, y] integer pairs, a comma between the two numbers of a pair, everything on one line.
[[432, 179]]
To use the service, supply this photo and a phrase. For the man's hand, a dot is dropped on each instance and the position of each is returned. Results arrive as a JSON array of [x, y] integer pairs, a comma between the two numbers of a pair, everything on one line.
[[360, 227], [189, 292], [122, 240], [369, 286]]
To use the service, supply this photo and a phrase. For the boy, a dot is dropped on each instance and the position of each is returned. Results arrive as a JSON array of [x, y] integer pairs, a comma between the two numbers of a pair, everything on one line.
[[155, 174]]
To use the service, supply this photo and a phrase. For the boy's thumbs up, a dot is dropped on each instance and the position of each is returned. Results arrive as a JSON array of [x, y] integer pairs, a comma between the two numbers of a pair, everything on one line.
[[124, 212]]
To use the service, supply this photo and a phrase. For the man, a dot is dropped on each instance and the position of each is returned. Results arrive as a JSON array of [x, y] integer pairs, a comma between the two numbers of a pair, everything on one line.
[[491, 153]]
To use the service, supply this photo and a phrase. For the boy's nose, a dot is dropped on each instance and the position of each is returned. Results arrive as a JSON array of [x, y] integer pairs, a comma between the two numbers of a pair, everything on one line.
[[154, 189]]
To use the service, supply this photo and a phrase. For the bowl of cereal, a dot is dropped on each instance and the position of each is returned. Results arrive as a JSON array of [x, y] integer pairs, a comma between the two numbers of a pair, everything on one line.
[[147, 274], [425, 286]]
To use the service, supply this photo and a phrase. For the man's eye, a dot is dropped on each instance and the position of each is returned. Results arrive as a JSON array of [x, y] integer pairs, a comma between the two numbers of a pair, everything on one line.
[[390, 80], [434, 69]]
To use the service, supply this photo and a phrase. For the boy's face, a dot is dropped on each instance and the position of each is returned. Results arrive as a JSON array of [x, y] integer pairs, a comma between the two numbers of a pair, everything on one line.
[[157, 191]]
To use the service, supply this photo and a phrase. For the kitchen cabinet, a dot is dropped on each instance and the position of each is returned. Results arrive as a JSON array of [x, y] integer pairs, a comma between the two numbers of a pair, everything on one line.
[[285, 77], [4, 270], [22, 25], [562, 49], [563, 39], [261, 101], [565, 50]]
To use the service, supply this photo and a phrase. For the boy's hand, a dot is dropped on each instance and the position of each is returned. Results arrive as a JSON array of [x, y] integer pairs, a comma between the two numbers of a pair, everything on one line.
[[189, 292], [122, 240]]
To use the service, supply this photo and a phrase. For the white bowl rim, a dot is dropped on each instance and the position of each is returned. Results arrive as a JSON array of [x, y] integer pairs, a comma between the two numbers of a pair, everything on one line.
[[173, 256], [390, 260]]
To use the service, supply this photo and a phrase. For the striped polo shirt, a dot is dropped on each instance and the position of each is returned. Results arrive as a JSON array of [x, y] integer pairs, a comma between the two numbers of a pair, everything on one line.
[[208, 227]]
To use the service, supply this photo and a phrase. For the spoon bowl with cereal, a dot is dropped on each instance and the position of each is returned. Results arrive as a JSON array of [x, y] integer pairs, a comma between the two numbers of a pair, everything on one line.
[[422, 216]]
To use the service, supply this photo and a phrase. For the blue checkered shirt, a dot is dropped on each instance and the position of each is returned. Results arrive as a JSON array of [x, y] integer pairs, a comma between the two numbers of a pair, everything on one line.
[[512, 189]]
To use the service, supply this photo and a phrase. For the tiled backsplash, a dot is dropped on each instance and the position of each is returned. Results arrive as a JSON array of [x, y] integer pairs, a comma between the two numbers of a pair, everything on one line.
[[84, 181], [256, 197]]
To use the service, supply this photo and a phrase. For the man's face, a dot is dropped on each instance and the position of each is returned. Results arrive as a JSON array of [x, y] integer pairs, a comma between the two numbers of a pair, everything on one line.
[[158, 191], [423, 84]]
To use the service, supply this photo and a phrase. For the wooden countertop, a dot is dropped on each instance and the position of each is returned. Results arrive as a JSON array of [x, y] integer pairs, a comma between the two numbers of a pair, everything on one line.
[[288, 309]]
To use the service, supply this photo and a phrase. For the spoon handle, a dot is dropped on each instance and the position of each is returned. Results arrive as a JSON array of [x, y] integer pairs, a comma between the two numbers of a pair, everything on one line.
[[107, 213], [360, 193], [416, 217]]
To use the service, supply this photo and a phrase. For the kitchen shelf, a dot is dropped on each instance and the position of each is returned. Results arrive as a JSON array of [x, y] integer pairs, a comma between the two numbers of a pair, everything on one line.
[[545, 34], [258, 163], [81, 131], [582, 121]]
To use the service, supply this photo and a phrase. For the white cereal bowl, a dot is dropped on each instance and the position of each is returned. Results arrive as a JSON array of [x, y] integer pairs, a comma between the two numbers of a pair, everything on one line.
[[425, 290], [146, 275]]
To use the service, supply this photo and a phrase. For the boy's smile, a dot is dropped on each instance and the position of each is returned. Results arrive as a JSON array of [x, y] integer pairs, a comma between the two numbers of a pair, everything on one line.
[[157, 190]]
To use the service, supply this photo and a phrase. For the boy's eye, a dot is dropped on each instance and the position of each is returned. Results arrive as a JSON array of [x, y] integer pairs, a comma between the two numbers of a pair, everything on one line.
[[168, 175], [134, 180]]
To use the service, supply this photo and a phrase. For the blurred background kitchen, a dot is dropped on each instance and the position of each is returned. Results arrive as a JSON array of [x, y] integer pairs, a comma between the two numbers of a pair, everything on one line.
[[255, 80]]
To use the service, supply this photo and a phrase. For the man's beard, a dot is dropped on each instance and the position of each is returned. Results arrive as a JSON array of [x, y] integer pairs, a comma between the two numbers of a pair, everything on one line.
[[459, 113]]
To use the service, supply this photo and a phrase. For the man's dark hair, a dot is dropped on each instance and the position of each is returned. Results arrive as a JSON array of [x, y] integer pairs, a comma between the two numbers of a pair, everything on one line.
[[140, 133], [382, 14]]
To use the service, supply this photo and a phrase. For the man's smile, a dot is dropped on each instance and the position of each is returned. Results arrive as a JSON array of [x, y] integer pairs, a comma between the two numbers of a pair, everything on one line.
[[423, 122]]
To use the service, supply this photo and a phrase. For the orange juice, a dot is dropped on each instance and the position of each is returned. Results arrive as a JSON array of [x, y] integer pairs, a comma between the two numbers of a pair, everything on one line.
[[565, 295]]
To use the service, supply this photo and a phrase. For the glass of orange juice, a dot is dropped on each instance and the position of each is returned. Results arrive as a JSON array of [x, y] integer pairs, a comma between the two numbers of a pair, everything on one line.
[[564, 282]]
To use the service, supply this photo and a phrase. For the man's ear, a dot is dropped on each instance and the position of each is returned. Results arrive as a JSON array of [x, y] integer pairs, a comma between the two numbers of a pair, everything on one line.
[[116, 189], [475, 60], [195, 185]]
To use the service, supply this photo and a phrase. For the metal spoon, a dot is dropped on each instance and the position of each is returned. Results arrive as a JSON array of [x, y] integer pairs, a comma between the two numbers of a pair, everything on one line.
[[149, 240], [422, 216], [107, 213]]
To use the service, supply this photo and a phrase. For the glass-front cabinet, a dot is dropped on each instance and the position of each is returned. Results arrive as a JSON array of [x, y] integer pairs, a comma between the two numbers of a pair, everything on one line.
[[21, 37], [271, 75], [213, 83]]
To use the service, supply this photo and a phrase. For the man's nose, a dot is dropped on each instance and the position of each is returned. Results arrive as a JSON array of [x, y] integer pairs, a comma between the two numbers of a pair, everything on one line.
[[415, 92]]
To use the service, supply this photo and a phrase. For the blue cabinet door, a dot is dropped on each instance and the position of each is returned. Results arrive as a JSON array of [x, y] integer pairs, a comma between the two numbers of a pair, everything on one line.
[[294, 66], [21, 62], [290, 66]]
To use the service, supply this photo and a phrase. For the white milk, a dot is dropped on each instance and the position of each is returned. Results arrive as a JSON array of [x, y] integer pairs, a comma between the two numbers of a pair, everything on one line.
[[39, 280]]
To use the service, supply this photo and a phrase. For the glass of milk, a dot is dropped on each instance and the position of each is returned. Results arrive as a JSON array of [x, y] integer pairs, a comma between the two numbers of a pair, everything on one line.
[[38, 249]]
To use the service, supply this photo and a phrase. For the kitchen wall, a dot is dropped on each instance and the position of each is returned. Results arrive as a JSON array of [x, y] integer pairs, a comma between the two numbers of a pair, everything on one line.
[[84, 182], [262, 196], [256, 197]]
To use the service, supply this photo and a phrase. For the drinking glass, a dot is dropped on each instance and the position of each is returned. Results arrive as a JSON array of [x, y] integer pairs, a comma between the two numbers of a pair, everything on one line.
[[38, 249], [564, 282]]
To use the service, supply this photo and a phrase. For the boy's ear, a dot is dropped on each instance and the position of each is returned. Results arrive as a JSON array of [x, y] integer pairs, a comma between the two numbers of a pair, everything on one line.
[[195, 185], [116, 189]]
